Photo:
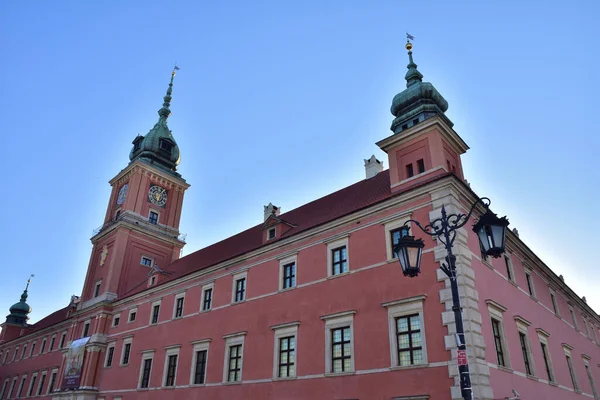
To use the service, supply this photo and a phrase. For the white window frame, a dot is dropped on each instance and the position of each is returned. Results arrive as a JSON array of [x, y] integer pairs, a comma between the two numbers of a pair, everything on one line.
[[401, 308], [38, 390], [496, 311], [52, 343], [587, 327], [108, 347], [21, 384], [61, 339], [571, 367], [152, 280], [146, 355], [332, 246], [281, 331], [131, 311], [233, 340], [97, 288], [177, 297], [31, 349], [152, 210], [171, 351], [117, 315], [529, 272], [30, 388], [4, 386], [293, 259], [522, 327], [87, 322], [588, 372], [12, 387], [6, 355], [573, 317], [199, 345], [272, 229], [543, 338], [208, 286], [15, 353], [147, 258], [154, 304], [554, 301], [23, 355], [334, 321], [126, 341], [53, 372], [237, 277], [389, 227], [508, 264]]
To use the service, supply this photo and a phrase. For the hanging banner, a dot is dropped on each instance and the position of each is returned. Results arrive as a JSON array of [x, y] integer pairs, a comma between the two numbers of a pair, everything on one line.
[[74, 363]]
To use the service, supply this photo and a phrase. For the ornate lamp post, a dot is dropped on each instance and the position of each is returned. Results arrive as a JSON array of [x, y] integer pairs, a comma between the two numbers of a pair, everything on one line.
[[491, 232]]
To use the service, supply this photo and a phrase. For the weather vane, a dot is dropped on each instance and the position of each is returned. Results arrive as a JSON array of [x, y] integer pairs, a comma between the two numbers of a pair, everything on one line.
[[175, 68], [409, 37]]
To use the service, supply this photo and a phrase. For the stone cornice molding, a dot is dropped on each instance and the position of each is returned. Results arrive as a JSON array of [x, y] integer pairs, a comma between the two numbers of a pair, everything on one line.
[[156, 175], [522, 320], [542, 332], [496, 305]]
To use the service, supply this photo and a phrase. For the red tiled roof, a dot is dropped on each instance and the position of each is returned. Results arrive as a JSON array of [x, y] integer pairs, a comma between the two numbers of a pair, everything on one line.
[[52, 319], [335, 205]]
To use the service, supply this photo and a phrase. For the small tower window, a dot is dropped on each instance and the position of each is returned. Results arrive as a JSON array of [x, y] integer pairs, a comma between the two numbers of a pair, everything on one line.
[[415, 121], [421, 166], [146, 261], [136, 143], [153, 217], [271, 234], [165, 145], [97, 289], [409, 170]]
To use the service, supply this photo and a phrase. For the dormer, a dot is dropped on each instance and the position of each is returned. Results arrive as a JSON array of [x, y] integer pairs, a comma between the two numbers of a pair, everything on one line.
[[273, 226]]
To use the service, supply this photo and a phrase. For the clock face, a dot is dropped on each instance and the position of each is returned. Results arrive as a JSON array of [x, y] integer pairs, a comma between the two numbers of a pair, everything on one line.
[[157, 195], [122, 194]]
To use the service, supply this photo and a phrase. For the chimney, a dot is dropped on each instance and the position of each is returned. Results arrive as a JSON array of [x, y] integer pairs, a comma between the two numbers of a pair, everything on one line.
[[372, 167], [271, 210]]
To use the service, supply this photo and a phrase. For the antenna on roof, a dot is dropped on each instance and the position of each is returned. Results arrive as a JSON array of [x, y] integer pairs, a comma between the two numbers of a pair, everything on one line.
[[155, 269]]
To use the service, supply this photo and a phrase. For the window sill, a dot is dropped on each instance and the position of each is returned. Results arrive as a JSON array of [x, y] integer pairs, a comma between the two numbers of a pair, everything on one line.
[[143, 389], [489, 265], [168, 387], [238, 302], [513, 283], [346, 373], [205, 311], [338, 275], [232, 383], [505, 369], [552, 383], [288, 378], [403, 367], [287, 289], [533, 377], [197, 384], [534, 298], [578, 391]]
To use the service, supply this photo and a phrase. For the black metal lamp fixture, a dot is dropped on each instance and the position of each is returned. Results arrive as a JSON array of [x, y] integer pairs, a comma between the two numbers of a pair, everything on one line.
[[491, 232], [409, 252]]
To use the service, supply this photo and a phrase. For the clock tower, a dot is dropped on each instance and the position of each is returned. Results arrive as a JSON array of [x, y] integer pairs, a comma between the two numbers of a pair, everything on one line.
[[140, 234]]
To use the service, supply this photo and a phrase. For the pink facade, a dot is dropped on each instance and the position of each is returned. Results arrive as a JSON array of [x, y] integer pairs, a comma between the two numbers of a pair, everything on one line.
[[315, 310]]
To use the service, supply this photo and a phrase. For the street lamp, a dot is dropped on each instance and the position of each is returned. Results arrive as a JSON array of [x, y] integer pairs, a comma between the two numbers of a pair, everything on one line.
[[491, 232]]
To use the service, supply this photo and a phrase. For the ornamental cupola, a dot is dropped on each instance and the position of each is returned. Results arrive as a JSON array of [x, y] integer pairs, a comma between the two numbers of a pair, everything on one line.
[[158, 147], [418, 102], [19, 311]]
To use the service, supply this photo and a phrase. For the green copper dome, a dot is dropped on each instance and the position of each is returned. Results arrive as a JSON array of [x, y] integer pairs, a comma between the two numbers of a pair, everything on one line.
[[418, 102], [19, 311], [158, 147]]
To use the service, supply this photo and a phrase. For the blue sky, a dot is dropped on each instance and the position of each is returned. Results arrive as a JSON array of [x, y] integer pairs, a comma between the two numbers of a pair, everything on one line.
[[281, 102]]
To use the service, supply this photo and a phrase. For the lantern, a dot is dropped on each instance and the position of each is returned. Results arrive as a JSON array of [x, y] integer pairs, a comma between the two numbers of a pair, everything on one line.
[[409, 252], [491, 232]]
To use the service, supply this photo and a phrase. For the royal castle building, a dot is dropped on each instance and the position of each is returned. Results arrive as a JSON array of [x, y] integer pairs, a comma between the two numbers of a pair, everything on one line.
[[312, 303]]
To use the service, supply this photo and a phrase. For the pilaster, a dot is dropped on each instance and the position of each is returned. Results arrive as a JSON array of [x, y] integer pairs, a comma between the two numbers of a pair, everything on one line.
[[472, 319]]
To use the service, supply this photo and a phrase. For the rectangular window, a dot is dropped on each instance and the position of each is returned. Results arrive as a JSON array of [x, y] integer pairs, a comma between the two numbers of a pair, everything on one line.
[[171, 368], [547, 362], [12, 387], [271, 234], [43, 346], [572, 372], [30, 353], [234, 368], [15, 353], [3, 388], [287, 357], [97, 289], [240, 289], [31, 385], [409, 171], [155, 311], [200, 367], [147, 367], [524, 350], [41, 386], [554, 304], [207, 299], [132, 315], [153, 217], [23, 353], [341, 353], [591, 379], [396, 235], [109, 356], [126, 352], [86, 330], [179, 307], [289, 275], [146, 261], [421, 166], [529, 284], [52, 340], [573, 318], [63, 337], [52, 381], [509, 274], [498, 342], [116, 321], [339, 259], [408, 333], [20, 391]]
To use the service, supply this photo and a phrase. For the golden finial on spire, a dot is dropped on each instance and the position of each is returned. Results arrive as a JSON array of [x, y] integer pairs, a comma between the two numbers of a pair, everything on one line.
[[175, 68], [409, 45], [29, 281]]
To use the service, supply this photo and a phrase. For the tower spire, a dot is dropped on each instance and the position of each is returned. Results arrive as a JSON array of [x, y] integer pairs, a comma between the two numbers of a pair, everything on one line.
[[165, 111], [412, 75]]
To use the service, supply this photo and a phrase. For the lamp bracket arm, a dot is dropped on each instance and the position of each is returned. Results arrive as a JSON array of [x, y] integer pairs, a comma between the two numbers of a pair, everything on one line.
[[446, 270], [428, 229], [485, 201]]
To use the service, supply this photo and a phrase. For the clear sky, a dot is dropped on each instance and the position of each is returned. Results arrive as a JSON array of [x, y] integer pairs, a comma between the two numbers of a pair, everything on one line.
[[281, 102]]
